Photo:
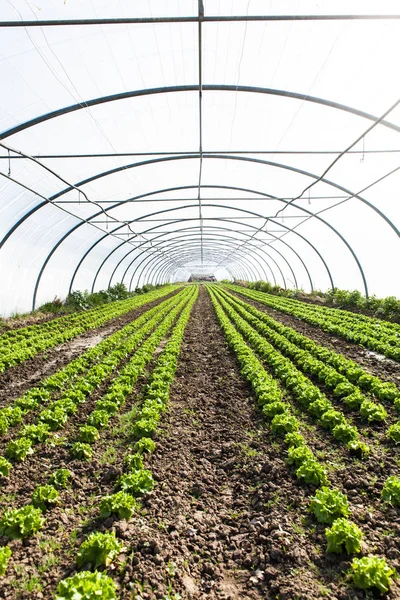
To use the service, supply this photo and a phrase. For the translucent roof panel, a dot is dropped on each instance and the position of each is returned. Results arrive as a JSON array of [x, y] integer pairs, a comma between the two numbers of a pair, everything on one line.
[[144, 141]]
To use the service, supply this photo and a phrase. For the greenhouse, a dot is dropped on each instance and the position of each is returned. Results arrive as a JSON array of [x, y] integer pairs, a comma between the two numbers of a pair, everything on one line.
[[199, 307]]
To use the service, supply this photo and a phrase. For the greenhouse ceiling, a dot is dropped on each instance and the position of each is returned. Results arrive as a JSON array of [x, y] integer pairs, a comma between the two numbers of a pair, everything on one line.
[[145, 141]]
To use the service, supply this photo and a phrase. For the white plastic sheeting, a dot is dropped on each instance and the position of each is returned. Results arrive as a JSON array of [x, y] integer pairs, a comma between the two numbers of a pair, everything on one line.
[[137, 176]]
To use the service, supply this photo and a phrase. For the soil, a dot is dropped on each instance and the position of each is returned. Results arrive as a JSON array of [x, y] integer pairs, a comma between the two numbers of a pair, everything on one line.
[[227, 519]]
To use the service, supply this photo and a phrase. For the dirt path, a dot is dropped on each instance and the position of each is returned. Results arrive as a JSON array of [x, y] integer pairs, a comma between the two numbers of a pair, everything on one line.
[[221, 522]]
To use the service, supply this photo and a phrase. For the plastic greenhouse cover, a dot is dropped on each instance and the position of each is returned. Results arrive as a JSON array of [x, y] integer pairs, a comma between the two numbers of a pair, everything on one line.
[[144, 141]]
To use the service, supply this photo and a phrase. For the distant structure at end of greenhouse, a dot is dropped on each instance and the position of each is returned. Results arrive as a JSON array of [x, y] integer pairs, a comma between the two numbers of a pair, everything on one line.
[[201, 278]]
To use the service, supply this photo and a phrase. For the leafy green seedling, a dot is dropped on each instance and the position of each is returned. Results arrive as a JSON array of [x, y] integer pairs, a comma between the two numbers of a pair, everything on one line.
[[60, 478], [391, 491], [45, 496], [5, 466], [145, 446], [88, 434], [312, 472], [5, 553], [19, 449], [343, 535], [372, 572], [88, 586], [329, 504], [120, 503], [17, 523], [81, 451], [136, 482], [393, 433], [98, 549]]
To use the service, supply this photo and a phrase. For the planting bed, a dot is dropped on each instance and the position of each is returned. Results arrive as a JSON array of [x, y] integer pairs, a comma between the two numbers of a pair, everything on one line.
[[216, 510]]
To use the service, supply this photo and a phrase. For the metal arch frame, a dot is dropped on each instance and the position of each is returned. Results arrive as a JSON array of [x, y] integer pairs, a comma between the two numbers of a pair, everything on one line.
[[218, 239], [165, 273], [251, 227], [192, 88], [138, 93], [224, 157], [178, 237], [193, 245], [226, 249], [226, 221], [240, 270], [192, 255]]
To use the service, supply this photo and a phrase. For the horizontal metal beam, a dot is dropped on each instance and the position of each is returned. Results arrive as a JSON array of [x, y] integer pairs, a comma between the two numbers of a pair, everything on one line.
[[193, 19], [194, 152]]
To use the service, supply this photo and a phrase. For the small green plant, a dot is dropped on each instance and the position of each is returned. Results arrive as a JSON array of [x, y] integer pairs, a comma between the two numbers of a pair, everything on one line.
[[5, 553], [19, 449], [344, 432], [88, 586], [284, 423], [5, 466], [393, 433], [98, 549], [120, 503], [60, 478], [343, 535], [98, 419], [358, 448], [45, 496], [372, 411], [312, 472], [391, 491], [137, 482], [294, 440], [133, 462], [145, 446], [36, 433], [81, 451], [372, 572], [299, 455], [88, 434], [17, 523], [329, 504]]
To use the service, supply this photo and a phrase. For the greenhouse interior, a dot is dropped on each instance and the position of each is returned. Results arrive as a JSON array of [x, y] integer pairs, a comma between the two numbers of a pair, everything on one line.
[[199, 300]]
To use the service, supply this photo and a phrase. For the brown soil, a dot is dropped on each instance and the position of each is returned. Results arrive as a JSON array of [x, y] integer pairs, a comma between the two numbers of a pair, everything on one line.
[[227, 518], [20, 378]]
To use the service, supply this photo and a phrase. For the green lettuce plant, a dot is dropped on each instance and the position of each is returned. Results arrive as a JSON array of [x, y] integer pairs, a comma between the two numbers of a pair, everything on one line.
[[18, 523], [136, 482], [5, 466], [120, 503], [5, 553], [19, 449], [81, 451], [45, 496], [329, 504], [343, 535], [372, 572], [391, 491], [86, 586], [60, 478], [99, 549]]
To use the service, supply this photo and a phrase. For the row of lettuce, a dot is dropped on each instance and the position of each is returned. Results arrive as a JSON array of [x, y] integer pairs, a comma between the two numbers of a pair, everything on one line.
[[102, 547], [382, 308], [377, 335], [19, 345], [329, 505]]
